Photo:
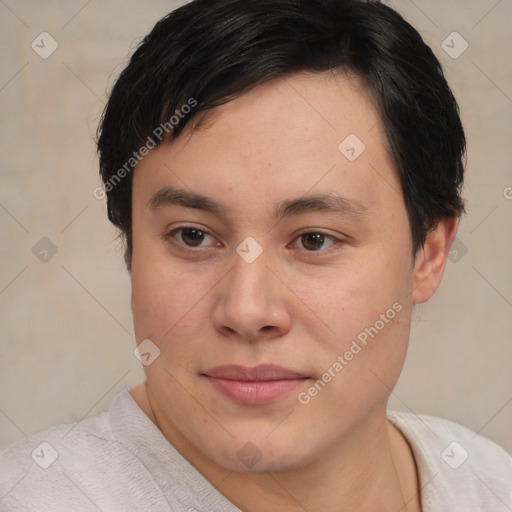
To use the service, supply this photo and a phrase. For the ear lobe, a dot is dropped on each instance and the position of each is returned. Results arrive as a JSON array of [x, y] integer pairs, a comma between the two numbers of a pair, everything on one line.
[[431, 260]]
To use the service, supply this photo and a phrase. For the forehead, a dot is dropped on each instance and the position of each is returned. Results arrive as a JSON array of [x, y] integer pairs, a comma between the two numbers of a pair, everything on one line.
[[305, 132]]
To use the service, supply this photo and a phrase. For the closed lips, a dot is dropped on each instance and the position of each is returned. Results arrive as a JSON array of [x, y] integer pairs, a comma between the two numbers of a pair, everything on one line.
[[254, 374], [260, 385]]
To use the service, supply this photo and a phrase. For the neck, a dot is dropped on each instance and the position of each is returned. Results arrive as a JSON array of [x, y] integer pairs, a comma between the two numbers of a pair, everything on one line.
[[372, 469]]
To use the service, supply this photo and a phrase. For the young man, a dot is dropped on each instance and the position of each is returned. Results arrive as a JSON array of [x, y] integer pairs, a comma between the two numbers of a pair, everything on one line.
[[287, 177]]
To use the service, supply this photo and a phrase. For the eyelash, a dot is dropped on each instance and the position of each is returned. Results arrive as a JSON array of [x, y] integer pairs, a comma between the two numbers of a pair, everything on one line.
[[336, 242]]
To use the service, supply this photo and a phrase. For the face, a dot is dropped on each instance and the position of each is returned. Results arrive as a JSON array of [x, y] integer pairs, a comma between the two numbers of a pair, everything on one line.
[[273, 270]]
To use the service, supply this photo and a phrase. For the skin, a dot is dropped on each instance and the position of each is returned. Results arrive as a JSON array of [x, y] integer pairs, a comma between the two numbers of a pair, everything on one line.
[[205, 306]]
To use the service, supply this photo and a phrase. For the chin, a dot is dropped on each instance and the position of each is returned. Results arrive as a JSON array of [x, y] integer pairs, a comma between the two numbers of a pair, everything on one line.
[[253, 453]]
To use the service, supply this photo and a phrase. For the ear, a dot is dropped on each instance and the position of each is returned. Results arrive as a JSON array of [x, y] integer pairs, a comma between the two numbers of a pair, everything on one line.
[[431, 260]]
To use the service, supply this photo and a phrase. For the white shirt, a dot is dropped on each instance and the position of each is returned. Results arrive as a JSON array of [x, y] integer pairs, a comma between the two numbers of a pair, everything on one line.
[[120, 461]]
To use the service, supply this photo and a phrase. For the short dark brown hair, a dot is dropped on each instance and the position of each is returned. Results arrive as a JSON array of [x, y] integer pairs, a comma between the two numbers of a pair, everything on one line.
[[209, 52]]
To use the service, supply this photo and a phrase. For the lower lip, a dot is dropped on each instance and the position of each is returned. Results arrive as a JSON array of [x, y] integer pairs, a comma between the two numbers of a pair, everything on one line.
[[255, 392]]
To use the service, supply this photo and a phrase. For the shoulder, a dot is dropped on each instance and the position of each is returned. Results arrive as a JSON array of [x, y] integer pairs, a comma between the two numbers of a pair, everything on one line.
[[457, 467], [80, 466], [32, 468], [52, 445]]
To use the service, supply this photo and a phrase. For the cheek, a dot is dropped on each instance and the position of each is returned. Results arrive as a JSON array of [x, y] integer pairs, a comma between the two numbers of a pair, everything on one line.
[[367, 306], [162, 299], [172, 308], [353, 297]]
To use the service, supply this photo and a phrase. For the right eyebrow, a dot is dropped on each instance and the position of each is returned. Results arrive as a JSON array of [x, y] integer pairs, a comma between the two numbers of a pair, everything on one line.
[[168, 196]]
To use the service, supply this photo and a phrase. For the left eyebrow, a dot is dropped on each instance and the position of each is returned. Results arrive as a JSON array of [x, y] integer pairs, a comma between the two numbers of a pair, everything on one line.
[[331, 203]]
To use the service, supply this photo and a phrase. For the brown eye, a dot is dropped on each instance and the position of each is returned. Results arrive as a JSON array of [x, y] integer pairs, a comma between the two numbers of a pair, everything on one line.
[[313, 241], [192, 237]]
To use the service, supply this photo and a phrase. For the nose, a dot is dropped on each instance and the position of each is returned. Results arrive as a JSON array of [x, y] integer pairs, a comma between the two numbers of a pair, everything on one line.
[[250, 303]]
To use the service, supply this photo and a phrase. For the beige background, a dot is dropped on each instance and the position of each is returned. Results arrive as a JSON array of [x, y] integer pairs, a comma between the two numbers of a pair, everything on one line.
[[67, 337]]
